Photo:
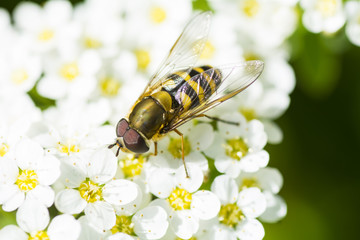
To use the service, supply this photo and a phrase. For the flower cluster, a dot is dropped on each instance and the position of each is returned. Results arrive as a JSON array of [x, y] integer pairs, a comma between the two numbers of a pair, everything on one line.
[[69, 73]]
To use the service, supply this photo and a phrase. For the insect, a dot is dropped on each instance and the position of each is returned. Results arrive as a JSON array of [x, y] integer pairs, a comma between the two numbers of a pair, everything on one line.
[[179, 91]]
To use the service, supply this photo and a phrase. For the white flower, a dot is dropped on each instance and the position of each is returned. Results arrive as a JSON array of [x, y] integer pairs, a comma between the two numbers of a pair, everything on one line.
[[148, 223], [29, 176], [197, 138], [44, 27], [238, 211], [353, 25], [270, 181], [239, 148], [33, 218], [91, 188], [70, 76], [323, 15], [182, 200]]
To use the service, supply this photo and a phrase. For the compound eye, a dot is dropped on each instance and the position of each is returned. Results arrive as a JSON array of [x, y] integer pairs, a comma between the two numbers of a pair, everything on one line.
[[135, 142], [121, 127]]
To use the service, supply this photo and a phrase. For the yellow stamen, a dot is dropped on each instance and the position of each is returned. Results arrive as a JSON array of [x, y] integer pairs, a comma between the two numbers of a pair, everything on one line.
[[209, 51], [19, 76], [69, 71], [39, 235], [327, 7], [248, 113], [132, 165], [236, 148], [230, 215], [4, 149], [143, 59], [123, 224], [92, 43], [249, 182], [250, 7], [175, 147], [27, 180], [45, 35], [68, 148], [157, 14], [180, 199], [90, 191], [109, 86]]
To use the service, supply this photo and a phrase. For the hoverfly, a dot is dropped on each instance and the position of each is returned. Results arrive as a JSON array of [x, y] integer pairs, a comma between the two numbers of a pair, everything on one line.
[[179, 91]]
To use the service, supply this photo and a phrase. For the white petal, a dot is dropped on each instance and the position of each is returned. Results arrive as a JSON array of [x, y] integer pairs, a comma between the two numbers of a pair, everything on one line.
[[28, 153], [252, 202], [133, 206], [8, 171], [102, 166], [64, 227], [120, 192], [72, 175], [150, 222], [7, 191], [161, 183], [222, 232], [201, 136], [194, 181], [48, 170], [184, 224], [32, 216], [270, 179], [101, 215], [14, 197], [88, 232], [253, 161], [225, 188], [250, 229], [43, 194], [276, 209], [230, 167], [273, 131], [205, 204], [69, 201], [196, 158], [12, 232], [121, 236]]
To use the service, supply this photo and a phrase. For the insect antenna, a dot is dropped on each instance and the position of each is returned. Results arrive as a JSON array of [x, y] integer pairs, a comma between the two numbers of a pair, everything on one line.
[[113, 145]]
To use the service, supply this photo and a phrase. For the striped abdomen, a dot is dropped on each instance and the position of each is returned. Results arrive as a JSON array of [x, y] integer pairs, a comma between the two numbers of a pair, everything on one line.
[[188, 91]]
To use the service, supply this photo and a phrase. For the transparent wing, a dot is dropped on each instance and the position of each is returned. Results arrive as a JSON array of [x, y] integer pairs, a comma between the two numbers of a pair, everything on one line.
[[185, 52], [234, 79]]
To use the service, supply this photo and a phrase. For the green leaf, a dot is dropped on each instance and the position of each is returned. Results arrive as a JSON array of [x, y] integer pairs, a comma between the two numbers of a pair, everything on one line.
[[201, 5], [40, 101]]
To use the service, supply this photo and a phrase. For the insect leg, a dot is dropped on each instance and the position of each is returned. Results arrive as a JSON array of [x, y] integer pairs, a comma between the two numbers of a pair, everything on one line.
[[218, 119], [155, 146], [182, 151]]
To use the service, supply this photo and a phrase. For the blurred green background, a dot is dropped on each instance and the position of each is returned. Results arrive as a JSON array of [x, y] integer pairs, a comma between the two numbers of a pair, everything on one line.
[[318, 157]]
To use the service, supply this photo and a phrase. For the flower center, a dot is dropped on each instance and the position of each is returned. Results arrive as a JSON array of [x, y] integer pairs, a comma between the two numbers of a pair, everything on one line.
[[249, 182], [180, 199], [45, 35], [157, 14], [208, 51], [175, 147], [109, 86], [236, 148], [69, 71], [143, 58], [4, 149], [132, 165], [92, 43], [192, 238], [68, 148], [19, 76], [248, 113], [39, 235], [123, 224], [230, 214], [27, 180], [327, 7], [250, 7], [90, 191]]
